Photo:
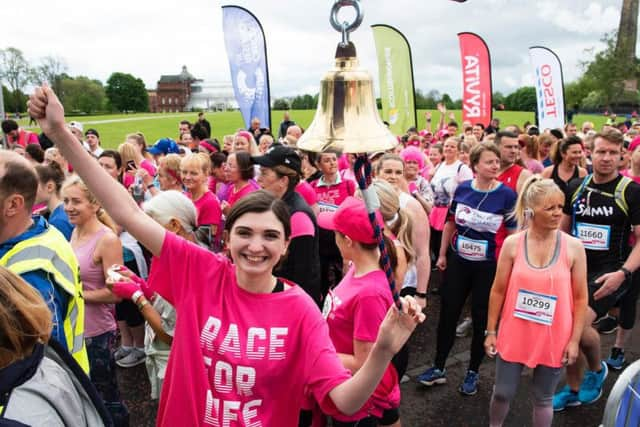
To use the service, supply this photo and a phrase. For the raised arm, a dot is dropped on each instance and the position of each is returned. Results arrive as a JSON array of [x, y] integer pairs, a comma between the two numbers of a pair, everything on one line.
[[45, 107]]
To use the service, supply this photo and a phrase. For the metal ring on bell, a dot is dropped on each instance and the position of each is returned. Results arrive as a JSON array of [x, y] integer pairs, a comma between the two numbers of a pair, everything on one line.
[[340, 26]]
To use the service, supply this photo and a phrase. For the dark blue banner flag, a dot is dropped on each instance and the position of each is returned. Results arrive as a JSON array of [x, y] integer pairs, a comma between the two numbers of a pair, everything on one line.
[[247, 52]]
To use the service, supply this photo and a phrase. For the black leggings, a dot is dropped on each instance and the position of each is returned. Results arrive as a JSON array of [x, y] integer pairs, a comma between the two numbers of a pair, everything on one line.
[[464, 277]]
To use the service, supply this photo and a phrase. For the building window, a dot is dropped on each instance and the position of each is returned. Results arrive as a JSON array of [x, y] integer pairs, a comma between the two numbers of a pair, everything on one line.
[[170, 100], [163, 100]]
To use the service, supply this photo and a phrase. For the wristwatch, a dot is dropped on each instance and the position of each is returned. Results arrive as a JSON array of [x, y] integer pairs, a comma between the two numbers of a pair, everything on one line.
[[627, 273], [490, 333], [421, 295]]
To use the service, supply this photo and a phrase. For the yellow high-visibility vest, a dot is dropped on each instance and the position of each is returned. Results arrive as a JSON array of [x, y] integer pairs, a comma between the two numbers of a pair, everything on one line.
[[49, 251]]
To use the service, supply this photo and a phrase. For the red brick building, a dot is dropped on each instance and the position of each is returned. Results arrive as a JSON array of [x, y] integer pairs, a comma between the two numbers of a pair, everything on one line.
[[172, 92]]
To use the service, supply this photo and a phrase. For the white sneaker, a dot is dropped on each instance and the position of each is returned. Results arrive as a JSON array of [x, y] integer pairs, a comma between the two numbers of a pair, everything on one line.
[[462, 330], [122, 352], [134, 358]]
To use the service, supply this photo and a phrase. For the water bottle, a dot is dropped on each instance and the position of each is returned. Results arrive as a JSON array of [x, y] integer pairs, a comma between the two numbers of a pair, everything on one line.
[[137, 190]]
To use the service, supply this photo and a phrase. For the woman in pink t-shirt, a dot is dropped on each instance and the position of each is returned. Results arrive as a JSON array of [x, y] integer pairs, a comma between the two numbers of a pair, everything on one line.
[[540, 297], [356, 307], [243, 338], [239, 172], [194, 169]]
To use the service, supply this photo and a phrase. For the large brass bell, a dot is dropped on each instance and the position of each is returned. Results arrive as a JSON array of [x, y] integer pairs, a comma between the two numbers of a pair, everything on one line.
[[347, 117]]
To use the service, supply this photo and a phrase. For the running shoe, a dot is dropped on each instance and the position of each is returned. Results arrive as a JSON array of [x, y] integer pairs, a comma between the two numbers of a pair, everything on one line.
[[591, 387], [432, 376], [469, 386], [122, 352], [616, 358], [462, 330], [134, 358], [608, 325], [598, 320], [565, 398]]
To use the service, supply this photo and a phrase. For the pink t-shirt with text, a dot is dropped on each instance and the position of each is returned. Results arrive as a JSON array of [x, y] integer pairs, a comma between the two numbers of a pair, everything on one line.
[[238, 358], [331, 196], [355, 310]]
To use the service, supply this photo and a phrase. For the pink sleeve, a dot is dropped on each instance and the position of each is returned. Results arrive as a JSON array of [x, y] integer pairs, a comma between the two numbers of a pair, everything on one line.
[[324, 371], [307, 192], [369, 314], [149, 167], [127, 180], [301, 225]]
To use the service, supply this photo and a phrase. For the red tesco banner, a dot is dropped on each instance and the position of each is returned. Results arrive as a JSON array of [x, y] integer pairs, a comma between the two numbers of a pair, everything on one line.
[[476, 79]]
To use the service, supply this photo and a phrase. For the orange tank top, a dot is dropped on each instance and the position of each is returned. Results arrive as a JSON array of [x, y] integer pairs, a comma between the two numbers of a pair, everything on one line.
[[537, 315]]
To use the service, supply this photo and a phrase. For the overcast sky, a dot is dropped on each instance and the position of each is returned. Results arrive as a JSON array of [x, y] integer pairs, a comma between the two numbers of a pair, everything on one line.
[[149, 38]]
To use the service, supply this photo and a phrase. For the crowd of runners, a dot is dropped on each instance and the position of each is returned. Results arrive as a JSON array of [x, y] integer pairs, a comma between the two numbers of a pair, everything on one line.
[[244, 272]]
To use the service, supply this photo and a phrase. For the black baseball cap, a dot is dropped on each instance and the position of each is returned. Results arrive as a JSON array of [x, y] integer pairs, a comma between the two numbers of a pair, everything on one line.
[[92, 132], [279, 155]]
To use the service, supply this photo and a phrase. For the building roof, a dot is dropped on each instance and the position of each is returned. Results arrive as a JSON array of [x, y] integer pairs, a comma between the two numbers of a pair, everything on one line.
[[184, 76]]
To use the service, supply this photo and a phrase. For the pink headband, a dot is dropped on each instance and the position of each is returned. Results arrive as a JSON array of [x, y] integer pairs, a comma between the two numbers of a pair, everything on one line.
[[246, 135], [413, 153], [210, 148]]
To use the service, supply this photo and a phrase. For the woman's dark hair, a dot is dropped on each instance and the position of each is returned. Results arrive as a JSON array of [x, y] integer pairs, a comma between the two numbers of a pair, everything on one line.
[[114, 155], [35, 152], [245, 165], [563, 146], [258, 202], [51, 172], [217, 159]]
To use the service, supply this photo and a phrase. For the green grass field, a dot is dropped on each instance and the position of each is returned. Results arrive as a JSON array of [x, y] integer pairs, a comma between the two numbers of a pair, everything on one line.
[[113, 128]]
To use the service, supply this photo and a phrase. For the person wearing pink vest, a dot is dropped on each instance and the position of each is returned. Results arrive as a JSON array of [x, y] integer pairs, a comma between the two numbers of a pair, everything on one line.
[[540, 297]]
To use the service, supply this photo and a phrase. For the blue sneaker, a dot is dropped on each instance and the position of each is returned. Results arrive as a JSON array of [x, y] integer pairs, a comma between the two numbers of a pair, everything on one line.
[[591, 387], [469, 386], [565, 398], [432, 376], [616, 359]]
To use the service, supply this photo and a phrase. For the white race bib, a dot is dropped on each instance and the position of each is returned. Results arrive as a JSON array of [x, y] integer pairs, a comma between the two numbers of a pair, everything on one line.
[[535, 307], [594, 236], [327, 207], [472, 250]]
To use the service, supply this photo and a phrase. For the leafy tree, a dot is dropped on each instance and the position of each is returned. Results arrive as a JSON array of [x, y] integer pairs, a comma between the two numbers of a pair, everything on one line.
[[523, 99], [497, 98], [447, 101], [280, 104], [127, 93], [14, 101], [82, 94], [304, 102], [16, 72], [594, 100]]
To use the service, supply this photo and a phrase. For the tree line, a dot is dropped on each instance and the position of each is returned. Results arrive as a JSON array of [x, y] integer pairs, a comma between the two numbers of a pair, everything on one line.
[[79, 94]]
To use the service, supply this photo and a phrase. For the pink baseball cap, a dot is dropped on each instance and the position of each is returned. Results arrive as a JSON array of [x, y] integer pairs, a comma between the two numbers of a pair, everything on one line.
[[635, 143], [352, 220]]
